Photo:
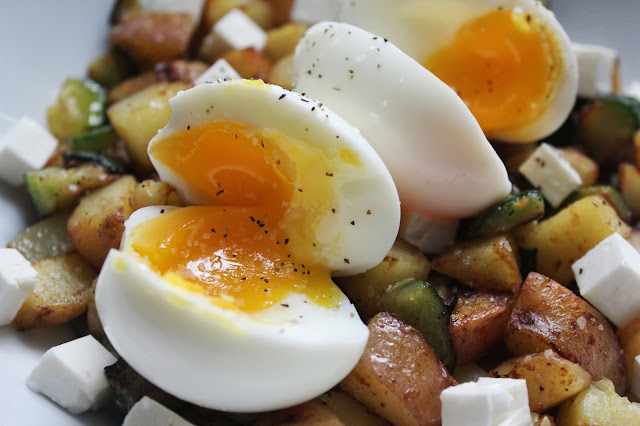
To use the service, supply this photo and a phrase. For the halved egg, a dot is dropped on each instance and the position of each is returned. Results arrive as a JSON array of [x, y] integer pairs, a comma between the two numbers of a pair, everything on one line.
[[229, 303], [509, 60], [439, 158]]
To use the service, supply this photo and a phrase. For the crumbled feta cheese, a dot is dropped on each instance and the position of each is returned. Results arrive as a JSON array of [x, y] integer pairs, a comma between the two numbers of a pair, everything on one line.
[[598, 69], [72, 374], [220, 70], [608, 277], [429, 235], [235, 30], [17, 281], [25, 147], [148, 412], [549, 171], [314, 11], [487, 402]]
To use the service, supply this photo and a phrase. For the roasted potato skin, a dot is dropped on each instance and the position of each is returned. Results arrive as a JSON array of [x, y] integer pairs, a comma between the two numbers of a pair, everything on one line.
[[546, 315], [550, 378], [478, 321], [399, 376], [311, 413]]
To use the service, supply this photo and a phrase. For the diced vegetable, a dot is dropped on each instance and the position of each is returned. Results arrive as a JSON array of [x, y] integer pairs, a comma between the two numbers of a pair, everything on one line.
[[546, 315], [514, 210], [629, 181], [550, 379], [282, 41], [249, 63], [310, 413], [80, 106], [607, 192], [138, 118], [365, 290], [478, 321], [350, 411], [419, 305], [44, 239], [77, 158], [570, 234], [606, 128], [98, 139], [585, 166], [62, 292], [122, 8], [110, 68], [399, 376], [599, 405], [155, 193], [97, 223], [489, 263], [56, 189], [629, 337], [281, 72]]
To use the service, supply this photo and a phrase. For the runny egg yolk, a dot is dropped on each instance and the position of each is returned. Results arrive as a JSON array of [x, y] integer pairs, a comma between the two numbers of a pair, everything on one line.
[[253, 246], [504, 65]]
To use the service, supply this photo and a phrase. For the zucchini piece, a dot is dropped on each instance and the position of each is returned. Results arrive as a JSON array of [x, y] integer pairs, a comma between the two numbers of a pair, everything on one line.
[[44, 239], [608, 192], [606, 128], [56, 189], [122, 8], [77, 158], [418, 304], [110, 68], [446, 287], [98, 139], [80, 106], [514, 210]]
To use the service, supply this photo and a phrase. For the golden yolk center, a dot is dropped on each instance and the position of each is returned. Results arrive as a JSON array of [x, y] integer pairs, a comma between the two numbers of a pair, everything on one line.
[[504, 65], [242, 250]]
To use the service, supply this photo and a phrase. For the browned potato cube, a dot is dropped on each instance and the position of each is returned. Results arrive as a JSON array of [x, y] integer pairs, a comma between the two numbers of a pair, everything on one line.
[[97, 223], [281, 72], [281, 10], [249, 63], [152, 37], [490, 263], [569, 234], [155, 193], [350, 411], [478, 321], [547, 315], [399, 376], [62, 292], [629, 179], [629, 337], [585, 166], [551, 380], [282, 41]]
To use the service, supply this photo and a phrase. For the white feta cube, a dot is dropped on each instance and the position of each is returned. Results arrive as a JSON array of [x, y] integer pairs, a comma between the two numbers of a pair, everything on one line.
[[487, 402], [72, 375], [220, 70], [192, 7], [25, 147], [608, 277], [429, 235], [598, 69], [549, 171], [235, 30], [148, 412], [314, 11], [17, 281]]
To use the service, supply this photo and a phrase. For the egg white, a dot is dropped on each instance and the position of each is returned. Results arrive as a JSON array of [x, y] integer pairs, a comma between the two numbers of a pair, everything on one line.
[[440, 160], [421, 27]]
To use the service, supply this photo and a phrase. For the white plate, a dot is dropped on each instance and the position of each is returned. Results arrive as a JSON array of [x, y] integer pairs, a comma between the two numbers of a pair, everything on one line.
[[42, 42]]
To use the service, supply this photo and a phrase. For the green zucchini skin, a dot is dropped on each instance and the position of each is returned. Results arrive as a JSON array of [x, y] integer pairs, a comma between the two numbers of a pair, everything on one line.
[[77, 158], [55, 189], [606, 128], [418, 304], [98, 139], [44, 239], [610, 193], [516, 209]]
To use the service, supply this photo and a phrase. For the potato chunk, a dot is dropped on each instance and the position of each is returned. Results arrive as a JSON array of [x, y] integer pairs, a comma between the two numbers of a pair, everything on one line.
[[312, 413], [399, 376], [547, 315], [62, 292], [478, 321], [550, 378], [598, 405]]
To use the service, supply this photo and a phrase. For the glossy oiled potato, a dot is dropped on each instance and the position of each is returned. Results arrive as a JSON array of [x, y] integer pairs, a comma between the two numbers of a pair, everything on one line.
[[546, 315], [550, 378], [399, 376]]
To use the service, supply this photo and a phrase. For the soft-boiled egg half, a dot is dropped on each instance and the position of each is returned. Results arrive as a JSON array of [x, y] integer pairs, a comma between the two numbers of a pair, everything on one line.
[[229, 304], [439, 158], [510, 60]]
